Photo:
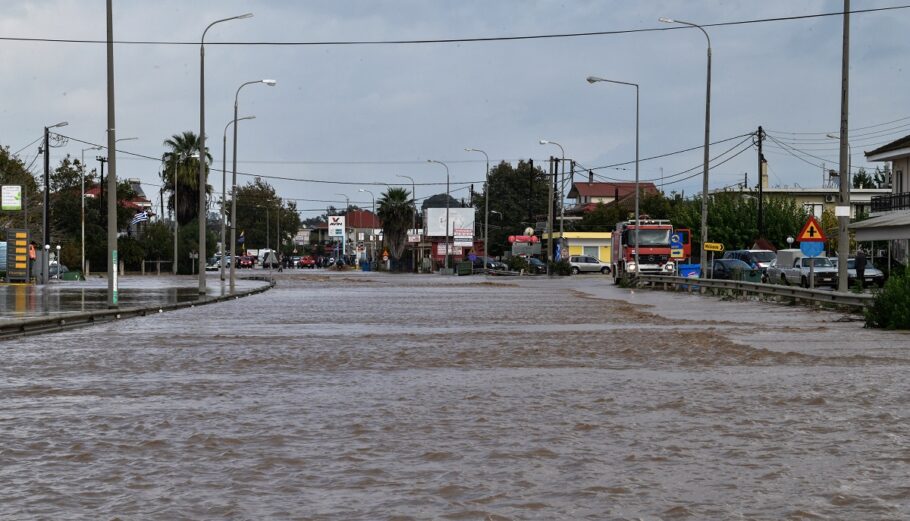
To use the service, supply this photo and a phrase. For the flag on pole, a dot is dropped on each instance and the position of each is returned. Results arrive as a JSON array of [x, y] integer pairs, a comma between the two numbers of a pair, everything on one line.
[[139, 217], [241, 238]]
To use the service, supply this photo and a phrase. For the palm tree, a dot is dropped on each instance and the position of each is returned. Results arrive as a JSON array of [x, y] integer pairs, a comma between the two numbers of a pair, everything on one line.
[[181, 166], [396, 210]]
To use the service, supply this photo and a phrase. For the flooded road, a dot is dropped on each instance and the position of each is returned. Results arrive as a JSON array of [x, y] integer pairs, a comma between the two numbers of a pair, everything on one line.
[[367, 396]]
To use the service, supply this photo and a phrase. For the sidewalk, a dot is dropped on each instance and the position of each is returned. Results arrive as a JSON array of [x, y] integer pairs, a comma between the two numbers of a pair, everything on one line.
[[22, 301]]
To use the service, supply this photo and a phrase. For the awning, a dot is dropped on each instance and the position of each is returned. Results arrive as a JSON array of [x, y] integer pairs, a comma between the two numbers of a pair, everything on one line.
[[883, 228]]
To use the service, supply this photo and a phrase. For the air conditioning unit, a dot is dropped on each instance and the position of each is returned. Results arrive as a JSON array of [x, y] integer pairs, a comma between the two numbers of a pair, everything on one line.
[[830, 198]]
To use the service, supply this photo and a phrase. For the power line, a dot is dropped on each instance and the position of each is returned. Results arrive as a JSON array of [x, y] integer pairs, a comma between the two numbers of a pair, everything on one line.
[[463, 39], [632, 162], [835, 131]]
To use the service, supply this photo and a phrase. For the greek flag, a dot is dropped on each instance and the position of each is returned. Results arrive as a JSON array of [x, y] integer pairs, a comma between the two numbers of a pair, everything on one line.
[[139, 217]]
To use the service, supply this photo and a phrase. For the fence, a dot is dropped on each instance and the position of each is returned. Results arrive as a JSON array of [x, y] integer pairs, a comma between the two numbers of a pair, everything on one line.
[[854, 301]]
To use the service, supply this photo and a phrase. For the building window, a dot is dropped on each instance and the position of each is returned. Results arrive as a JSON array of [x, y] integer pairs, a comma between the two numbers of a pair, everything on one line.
[[814, 209]]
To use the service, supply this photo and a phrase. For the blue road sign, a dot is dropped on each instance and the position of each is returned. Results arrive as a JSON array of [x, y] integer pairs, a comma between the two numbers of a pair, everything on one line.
[[675, 242], [812, 249]]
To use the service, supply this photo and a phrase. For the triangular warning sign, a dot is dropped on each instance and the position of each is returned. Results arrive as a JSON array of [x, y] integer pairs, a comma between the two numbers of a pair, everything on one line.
[[811, 232]]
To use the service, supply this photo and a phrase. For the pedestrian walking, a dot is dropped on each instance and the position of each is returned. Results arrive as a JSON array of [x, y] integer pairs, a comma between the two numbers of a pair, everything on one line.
[[860, 263]]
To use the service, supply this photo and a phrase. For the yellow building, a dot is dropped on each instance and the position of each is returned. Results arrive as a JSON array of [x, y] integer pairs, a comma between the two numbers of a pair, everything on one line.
[[592, 244]]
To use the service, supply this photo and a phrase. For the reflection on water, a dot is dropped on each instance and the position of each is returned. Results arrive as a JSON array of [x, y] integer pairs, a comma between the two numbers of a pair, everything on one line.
[[380, 397], [27, 300]]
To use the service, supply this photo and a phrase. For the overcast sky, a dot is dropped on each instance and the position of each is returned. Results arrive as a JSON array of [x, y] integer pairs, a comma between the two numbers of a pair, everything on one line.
[[366, 113]]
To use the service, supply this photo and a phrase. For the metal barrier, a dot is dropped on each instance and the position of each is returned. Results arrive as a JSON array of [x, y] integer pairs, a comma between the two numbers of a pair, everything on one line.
[[36, 326], [856, 301]]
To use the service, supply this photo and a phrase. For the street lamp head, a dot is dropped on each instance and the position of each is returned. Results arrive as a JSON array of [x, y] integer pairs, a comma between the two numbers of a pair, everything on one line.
[[361, 190], [544, 142], [270, 83], [666, 20], [832, 136], [245, 15], [593, 79], [58, 125]]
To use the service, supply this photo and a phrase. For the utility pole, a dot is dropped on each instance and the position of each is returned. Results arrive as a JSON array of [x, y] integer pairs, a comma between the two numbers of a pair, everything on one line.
[[551, 186], [530, 191], [761, 187], [112, 260], [843, 209], [46, 238]]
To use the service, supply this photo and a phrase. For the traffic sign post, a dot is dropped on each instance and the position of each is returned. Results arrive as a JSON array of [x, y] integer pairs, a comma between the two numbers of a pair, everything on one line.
[[811, 243]]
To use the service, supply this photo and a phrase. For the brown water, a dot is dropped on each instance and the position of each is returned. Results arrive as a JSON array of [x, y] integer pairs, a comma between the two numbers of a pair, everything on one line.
[[352, 396]]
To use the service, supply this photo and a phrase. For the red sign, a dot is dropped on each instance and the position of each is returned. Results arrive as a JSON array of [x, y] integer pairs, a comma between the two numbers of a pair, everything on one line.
[[523, 238], [811, 232]]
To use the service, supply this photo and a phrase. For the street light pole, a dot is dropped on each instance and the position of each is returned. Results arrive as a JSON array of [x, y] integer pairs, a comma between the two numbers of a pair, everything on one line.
[[270, 83], [413, 217], [47, 194], [595, 79], [448, 197], [703, 259], [82, 206], [372, 244], [224, 192], [202, 156], [562, 188], [486, 209]]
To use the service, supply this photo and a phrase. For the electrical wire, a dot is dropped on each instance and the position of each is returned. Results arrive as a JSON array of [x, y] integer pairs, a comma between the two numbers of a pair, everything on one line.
[[464, 39], [832, 132], [632, 162]]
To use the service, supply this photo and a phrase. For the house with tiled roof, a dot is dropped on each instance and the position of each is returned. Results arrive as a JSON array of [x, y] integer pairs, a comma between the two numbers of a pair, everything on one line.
[[587, 195], [890, 212]]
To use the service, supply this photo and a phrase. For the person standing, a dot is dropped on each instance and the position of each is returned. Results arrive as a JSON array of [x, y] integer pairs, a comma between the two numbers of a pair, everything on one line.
[[860, 263]]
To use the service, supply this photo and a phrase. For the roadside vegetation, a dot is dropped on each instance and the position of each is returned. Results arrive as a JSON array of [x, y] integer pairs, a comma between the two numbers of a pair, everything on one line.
[[891, 305]]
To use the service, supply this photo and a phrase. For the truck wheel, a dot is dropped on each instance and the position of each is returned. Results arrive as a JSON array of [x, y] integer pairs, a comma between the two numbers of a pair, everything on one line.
[[783, 280], [575, 270], [616, 277]]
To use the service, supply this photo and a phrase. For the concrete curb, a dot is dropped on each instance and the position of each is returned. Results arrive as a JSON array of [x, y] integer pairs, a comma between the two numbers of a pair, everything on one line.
[[37, 326]]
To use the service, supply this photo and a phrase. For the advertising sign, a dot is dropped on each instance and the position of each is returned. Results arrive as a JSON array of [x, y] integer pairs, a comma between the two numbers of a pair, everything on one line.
[[461, 222], [11, 198], [17, 264], [336, 226]]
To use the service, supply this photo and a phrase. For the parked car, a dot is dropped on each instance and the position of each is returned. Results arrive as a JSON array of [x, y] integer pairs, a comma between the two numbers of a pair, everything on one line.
[[871, 275], [757, 259], [56, 271], [587, 264], [731, 269], [489, 263], [307, 261], [792, 267], [212, 264], [536, 266]]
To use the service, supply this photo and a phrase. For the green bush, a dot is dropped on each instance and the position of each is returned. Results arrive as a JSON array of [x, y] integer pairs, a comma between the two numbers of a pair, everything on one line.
[[517, 263], [891, 306], [561, 268]]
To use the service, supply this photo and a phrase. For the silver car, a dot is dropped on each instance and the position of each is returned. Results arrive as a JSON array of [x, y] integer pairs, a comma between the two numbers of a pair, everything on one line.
[[587, 264], [871, 275]]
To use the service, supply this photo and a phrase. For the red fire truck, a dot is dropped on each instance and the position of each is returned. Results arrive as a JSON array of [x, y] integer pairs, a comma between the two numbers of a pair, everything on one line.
[[655, 254]]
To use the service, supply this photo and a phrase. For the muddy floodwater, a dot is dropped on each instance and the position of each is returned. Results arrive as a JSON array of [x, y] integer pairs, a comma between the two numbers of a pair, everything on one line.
[[377, 397]]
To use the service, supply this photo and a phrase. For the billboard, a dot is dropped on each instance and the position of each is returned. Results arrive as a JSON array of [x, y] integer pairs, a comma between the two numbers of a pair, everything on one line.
[[11, 198], [336, 226], [461, 222]]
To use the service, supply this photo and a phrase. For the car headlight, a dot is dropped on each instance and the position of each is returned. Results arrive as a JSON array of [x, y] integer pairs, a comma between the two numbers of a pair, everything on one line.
[[631, 266], [669, 266]]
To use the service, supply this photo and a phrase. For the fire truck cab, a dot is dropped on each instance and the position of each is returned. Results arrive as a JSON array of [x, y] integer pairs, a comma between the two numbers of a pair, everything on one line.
[[654, 248]]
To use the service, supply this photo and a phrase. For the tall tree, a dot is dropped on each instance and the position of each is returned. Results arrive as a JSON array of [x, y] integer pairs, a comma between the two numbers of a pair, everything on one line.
[[181, 171], [518, 195], [396, 210], [261, 211]]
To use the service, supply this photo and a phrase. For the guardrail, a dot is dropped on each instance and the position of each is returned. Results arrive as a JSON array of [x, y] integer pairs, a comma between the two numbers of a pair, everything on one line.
[[854, 301], [35, 326]]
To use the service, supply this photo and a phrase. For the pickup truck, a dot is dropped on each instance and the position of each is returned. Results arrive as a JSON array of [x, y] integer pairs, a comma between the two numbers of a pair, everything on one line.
[[798, 272]]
